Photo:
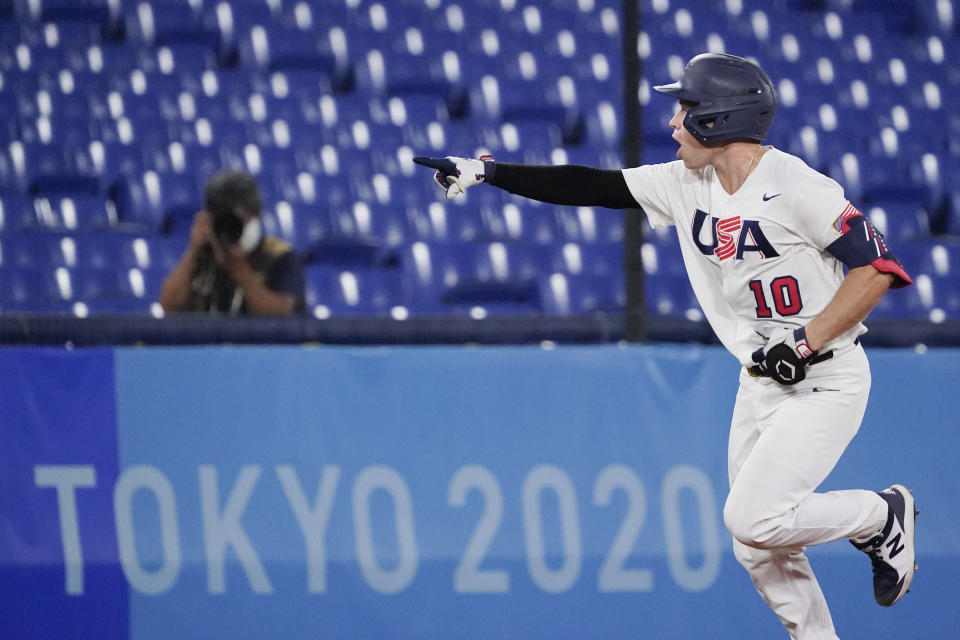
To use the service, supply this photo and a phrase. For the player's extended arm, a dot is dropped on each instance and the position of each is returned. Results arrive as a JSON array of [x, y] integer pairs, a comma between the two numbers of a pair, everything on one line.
[[573, 185], [570, 184], [858, 294]]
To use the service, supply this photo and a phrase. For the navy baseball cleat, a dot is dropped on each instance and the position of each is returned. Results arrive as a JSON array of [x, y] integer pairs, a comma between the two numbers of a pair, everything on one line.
[[892, 552]]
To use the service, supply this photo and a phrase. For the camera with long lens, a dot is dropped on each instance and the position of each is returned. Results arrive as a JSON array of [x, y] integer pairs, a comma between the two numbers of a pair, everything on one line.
[[227, 228], [224, 193]]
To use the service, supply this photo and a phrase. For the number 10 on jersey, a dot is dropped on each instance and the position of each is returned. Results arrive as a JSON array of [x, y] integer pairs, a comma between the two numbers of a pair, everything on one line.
[[783, 292]]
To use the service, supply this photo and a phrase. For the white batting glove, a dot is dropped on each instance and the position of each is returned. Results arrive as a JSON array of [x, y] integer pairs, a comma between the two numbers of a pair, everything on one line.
[[456, 175], [785, 356]]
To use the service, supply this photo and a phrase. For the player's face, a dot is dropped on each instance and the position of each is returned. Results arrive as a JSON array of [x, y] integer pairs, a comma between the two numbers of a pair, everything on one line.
[[693, 153]]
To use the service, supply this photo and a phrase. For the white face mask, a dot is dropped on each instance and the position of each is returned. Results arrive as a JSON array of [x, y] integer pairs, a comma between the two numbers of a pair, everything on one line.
[[250, 237]]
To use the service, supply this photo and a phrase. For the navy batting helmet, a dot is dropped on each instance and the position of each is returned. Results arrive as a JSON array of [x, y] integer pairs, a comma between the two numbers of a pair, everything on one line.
[[733, 98]]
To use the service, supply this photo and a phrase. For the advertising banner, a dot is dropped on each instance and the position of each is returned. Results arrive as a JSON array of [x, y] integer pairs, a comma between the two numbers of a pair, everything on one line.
[[423, 492]]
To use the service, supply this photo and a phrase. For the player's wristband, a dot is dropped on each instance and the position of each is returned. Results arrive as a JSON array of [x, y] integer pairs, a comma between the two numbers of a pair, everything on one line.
[[489, 168]]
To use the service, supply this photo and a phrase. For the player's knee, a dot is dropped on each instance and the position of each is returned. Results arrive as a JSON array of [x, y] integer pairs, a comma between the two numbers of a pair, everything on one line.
[[747, 524], [736, 521]]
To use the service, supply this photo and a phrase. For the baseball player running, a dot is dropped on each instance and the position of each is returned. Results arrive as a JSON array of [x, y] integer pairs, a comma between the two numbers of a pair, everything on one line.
[[764, 240]]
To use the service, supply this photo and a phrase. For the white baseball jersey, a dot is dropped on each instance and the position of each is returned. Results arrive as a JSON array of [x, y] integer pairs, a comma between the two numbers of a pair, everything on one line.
[[756, 259]]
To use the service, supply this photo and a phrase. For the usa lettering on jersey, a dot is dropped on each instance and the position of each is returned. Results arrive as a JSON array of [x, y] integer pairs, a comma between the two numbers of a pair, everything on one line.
[[731, 237]]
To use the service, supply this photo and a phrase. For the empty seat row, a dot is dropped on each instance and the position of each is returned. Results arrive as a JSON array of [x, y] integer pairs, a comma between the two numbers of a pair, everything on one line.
[[337, 291]]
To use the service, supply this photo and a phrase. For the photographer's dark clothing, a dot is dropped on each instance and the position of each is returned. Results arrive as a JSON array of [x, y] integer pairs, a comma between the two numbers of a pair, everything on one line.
[[274, 261]]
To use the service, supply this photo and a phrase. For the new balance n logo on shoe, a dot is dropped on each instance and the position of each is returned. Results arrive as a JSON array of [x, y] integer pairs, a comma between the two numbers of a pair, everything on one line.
[[895, 546], [893, 552]]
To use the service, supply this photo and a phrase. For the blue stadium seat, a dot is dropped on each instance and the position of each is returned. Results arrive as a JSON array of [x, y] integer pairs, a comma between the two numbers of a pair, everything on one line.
[[348, 252], [900, 221], [298, 54], [656, 117], [118, 306], [917, 257], [16, 211], [64, 131], [266, 164], [98, 284], [528, 135], [471, 139], [112, 161], [444, 222], [229, 83], [74, 212], [103, 250], [586, 225], [385, 224], [668, 294], [169, 23], [951, 222], [319, 189], [334, 291], [516, 220], [523, 101], [52, 168], [405, 74], [895, 179], [600, 157], [146, 119], [149, 107], [157, 201], [76, 106], [113, 289], [945, 257], [235, 19], [264, 108], [163, 251], [589, 259], [380, 72], [31, 288], [211, 132], [28, 250], [915, 301], [10, 114], [94, 12], [300, 224], [43, 59], [359, 235], [565, 294], [190, 158], [946, 296], [464, 275]]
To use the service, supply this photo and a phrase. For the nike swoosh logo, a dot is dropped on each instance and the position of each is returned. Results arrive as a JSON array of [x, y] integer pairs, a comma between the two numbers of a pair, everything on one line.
[[817, 389], [766, 197]]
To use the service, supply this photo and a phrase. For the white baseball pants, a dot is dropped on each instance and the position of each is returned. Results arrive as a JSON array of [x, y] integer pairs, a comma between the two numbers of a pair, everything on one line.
[[784, 441]]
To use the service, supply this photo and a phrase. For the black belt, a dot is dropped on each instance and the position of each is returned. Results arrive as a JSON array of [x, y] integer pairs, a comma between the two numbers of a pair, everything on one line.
[[757, 372]]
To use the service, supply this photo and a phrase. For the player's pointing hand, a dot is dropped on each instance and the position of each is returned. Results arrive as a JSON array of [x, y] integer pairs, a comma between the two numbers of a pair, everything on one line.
[[455, 175]]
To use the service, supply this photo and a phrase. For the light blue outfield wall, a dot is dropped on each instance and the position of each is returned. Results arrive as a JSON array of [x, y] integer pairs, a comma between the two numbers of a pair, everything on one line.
[[428, 492]]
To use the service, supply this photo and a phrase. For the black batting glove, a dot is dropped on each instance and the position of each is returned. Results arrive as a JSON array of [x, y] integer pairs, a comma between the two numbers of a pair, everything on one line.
[[785, 356]]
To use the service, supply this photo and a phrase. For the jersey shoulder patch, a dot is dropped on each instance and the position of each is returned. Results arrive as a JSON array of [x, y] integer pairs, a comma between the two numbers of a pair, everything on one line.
[[842, 223]]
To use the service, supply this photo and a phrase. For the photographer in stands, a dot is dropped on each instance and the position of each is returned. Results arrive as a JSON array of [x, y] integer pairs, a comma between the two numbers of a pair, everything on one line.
[[229, 267]]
